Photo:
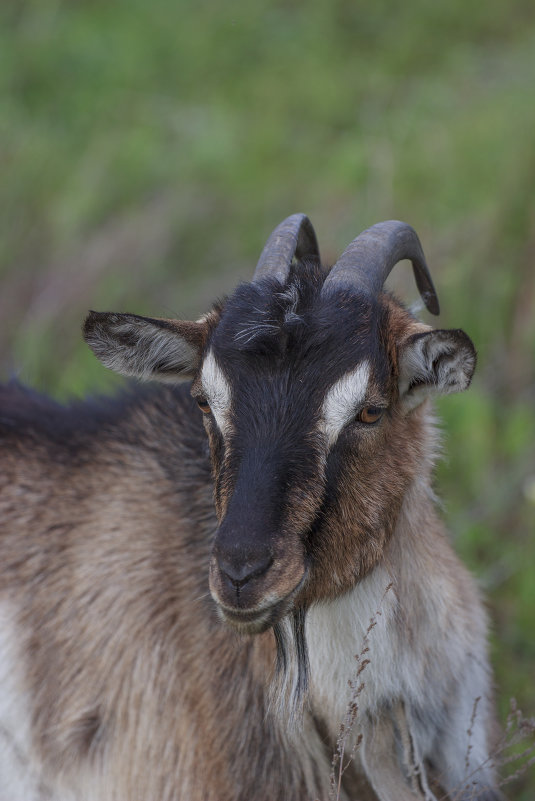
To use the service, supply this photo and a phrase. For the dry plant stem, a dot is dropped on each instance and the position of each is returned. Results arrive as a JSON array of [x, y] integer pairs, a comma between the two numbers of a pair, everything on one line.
[[517, 728], [356, 687], [520, 772], [470, 732], [525, 728], [414, 765]]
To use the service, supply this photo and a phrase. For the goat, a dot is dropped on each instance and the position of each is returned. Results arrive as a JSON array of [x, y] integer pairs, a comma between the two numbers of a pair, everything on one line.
[[188, 572]]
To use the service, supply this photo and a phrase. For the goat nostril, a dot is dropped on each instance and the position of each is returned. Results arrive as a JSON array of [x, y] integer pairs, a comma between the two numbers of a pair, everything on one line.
[[239, 575]]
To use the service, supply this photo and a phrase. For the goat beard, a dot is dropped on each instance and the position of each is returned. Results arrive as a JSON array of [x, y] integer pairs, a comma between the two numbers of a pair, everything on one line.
[[289, 691]]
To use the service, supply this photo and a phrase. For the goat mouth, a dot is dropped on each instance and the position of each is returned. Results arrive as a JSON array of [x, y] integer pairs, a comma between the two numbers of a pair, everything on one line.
[[253, 621], [262, 618]]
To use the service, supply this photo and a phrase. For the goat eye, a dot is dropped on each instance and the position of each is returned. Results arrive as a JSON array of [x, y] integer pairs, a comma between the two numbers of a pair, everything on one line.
[[203, 405], [370, 415]]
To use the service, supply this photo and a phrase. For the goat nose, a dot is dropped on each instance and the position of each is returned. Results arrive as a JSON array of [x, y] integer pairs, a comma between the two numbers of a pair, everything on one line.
[[238, 575]]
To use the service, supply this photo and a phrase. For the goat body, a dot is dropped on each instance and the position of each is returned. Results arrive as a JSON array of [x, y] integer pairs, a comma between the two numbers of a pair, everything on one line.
[[192, 604]]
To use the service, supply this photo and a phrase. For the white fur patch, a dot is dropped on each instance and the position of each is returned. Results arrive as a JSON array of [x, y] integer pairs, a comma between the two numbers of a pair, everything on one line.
[[442, 659], [217, 391], [18, 775], [336, 634], [343, 400], [22, 777]]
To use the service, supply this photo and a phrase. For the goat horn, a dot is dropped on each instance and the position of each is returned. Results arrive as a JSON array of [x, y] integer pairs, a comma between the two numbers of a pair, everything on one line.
[[369, 259], [294, 237]]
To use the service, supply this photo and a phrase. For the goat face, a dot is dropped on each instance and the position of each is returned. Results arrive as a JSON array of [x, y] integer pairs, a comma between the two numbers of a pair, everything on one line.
[[311, 397]]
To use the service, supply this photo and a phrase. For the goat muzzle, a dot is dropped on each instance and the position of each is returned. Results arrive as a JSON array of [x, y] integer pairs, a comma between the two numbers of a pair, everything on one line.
[[253, 587]]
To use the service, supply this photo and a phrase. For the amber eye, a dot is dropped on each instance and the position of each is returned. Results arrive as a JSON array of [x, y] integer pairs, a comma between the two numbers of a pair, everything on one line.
[[203, 405], [370, 415]]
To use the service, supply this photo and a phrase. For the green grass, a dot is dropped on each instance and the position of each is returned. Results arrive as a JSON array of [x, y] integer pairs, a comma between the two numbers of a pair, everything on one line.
[[148, 150]]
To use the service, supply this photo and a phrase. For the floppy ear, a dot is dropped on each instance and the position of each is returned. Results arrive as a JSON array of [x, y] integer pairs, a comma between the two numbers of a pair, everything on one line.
[[145, 347], [435, 363]]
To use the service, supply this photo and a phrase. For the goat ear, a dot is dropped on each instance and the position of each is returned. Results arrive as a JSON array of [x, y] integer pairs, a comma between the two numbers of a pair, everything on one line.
[[144, 347], [435, 363]]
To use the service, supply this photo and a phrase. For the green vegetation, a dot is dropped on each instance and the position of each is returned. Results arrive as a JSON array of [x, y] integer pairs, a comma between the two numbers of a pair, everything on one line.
[[148, 149]]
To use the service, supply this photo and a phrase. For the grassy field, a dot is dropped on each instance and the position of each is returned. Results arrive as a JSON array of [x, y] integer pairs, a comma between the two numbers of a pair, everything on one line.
[[148, 149]]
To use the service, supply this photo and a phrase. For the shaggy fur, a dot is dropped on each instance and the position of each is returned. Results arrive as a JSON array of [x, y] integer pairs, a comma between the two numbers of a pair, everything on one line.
[[157, 563]]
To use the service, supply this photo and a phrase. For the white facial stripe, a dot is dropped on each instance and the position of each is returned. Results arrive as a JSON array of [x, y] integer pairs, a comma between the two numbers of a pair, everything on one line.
[[343, 400], [217, 390]]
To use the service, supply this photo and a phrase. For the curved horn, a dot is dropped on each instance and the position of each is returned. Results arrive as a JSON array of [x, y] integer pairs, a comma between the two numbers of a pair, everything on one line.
[[293, 237], [369, 259]]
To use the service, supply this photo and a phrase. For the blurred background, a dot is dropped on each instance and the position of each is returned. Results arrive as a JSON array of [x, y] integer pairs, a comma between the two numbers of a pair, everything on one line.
[[148, 149]]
